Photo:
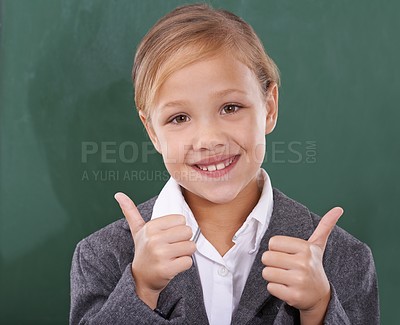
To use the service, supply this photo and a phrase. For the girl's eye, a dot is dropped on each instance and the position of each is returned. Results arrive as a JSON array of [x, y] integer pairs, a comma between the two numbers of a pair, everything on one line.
[[230, 109], [179, 119]]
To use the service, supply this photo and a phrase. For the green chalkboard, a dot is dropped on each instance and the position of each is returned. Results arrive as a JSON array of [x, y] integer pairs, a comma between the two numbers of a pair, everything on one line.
[[70, 137]]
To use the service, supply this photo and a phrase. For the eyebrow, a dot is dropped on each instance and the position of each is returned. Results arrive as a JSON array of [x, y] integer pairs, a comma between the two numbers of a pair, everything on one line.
[[228, 92], [175, 103], [221, 93]]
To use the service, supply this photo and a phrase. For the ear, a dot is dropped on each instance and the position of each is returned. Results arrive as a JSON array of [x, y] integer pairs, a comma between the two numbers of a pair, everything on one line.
[[150, 131], [272, 107]]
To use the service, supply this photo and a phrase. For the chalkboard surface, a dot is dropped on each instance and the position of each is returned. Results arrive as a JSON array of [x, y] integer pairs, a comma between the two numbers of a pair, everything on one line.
[[70, 137]]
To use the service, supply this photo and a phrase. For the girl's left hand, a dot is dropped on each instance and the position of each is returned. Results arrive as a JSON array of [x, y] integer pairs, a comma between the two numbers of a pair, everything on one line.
[[295, 273]]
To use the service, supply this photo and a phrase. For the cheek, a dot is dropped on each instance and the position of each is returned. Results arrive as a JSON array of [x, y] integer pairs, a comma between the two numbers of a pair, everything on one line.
[[254, 142], [259, 153], [258, 148], [173, 150]]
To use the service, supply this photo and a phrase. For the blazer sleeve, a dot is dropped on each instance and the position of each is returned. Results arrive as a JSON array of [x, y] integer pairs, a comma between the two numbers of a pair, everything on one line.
[[100, 294], [354, 291]]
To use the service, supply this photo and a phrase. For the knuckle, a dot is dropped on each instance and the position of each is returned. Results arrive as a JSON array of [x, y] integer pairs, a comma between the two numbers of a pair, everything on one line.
[[269, 273], [264, 258], [265, 273], [180, 219], [187, 232], [183, 220], [156, 238], [308, 250], [315, 251], [270, 287], [302, 265], [300, 278], [191, 247], [267, 258], [187, 263], [158, 252], [272, 242], [149, 229], [152, 243]]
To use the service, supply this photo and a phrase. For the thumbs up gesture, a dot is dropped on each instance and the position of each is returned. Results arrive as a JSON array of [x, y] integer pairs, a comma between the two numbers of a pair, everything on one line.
[[162, 250], [295, 273]]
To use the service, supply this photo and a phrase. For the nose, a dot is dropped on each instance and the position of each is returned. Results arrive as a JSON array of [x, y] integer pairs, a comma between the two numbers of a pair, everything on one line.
[[209, 136]]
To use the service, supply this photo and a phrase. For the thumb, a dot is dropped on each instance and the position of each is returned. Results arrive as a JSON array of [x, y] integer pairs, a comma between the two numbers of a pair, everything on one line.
[[325, 226], [130, 212]]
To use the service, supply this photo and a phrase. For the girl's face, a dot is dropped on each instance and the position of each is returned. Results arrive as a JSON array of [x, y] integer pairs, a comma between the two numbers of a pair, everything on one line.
[[209, 122]]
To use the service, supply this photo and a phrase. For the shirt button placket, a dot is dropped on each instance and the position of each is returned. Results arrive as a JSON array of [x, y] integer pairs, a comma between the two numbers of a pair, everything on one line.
[[222, 287]]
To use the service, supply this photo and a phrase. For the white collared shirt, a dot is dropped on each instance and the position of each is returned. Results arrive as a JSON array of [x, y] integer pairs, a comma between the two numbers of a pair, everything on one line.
[[222, 277]]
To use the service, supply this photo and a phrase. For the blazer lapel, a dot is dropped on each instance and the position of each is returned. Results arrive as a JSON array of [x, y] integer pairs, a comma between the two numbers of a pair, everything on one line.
[[289, 218], [185, 289]]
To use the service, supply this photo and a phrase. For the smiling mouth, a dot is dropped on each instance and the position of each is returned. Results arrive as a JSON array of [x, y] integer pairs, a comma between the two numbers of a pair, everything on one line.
[[219, 166]]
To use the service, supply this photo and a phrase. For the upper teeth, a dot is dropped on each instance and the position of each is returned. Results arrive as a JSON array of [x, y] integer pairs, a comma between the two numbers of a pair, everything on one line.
[[218, 166]]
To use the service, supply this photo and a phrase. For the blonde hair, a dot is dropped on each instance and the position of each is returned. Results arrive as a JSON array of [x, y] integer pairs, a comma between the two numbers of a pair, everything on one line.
[[189, 34]]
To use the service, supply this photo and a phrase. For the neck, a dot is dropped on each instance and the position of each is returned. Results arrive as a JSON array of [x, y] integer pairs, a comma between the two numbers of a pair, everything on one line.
[[219, 222]]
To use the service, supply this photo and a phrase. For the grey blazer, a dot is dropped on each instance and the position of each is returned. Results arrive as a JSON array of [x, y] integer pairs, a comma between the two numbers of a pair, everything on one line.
[[103, 289]]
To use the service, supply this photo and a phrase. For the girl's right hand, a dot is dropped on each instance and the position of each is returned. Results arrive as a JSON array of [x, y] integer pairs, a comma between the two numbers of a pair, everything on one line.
[[162, 249]]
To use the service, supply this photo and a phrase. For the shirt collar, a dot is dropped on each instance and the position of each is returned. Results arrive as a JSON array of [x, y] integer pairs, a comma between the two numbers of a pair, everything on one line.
[[171, 201], [262, 212], [263, 209]]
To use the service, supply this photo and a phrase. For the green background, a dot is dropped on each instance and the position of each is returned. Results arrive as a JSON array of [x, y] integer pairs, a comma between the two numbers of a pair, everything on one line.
[[65, 84]]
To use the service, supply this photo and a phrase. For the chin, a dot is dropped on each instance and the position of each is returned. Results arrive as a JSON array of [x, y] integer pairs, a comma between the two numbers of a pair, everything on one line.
[[222, 197]]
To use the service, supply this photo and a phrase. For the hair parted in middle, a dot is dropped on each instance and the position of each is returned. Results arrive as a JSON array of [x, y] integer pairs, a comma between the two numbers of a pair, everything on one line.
[[189, 34]]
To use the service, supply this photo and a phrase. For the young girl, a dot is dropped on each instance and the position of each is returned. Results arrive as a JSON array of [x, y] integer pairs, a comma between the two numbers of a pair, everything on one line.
[[218, 245]]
